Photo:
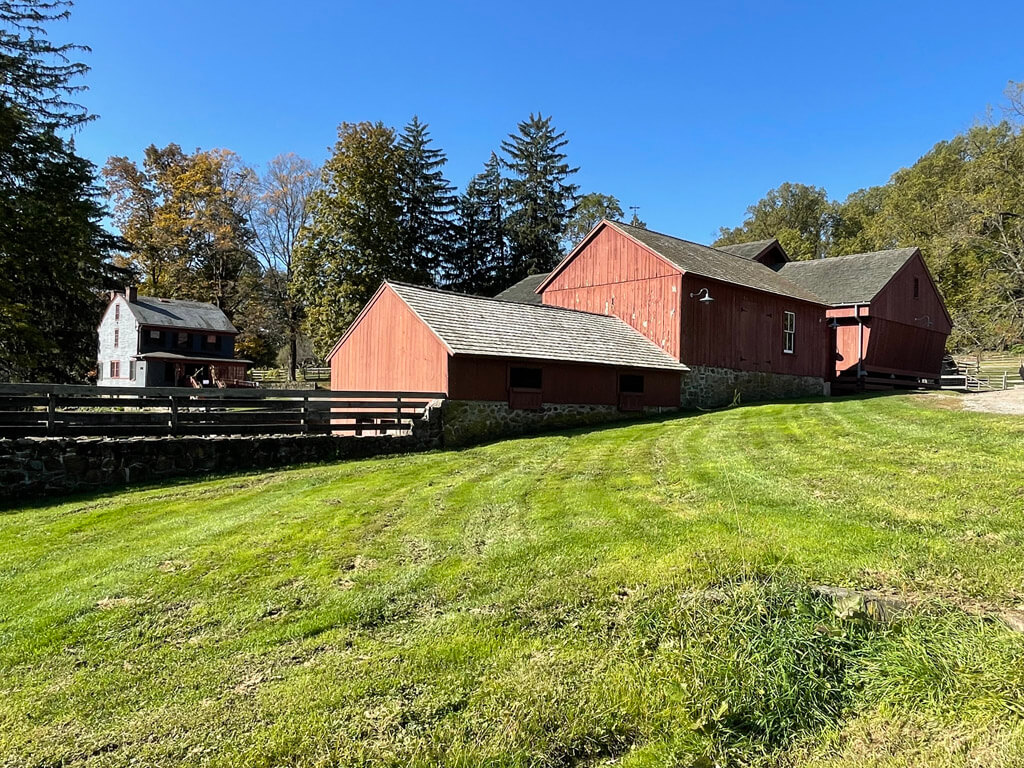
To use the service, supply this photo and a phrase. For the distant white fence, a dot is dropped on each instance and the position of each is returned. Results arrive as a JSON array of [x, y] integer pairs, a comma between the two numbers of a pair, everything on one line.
[[280, 374]]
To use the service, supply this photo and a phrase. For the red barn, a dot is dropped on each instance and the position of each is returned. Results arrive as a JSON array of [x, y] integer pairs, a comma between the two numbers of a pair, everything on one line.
[[409, 338], [887, 317]]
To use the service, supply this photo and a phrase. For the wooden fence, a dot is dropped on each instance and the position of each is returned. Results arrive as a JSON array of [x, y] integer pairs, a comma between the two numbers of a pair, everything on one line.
[[983, 373], [307, 373], [69, 410]]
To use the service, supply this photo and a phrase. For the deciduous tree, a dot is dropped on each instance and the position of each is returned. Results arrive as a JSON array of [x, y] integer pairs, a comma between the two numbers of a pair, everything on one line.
[[590, 209]]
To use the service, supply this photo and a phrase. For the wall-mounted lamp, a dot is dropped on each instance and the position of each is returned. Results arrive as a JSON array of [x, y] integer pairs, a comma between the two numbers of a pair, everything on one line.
[[702, 294], [834, 324], [927, 320]]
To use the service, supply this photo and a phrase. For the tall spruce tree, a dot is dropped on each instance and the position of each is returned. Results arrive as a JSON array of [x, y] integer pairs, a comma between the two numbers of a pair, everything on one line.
[[426, 202], [479, 257], [54, 251], [541, 195]]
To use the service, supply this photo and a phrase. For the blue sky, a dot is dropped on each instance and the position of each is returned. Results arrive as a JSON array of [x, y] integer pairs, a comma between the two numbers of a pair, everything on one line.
[[690, 111]]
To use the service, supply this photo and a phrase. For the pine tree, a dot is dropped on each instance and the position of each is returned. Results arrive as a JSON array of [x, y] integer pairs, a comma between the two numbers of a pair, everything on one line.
[[541, 195], [480, 252], [426, 203]]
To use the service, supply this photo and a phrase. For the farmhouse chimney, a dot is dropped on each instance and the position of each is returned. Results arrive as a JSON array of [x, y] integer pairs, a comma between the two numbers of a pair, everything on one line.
[[132, 293]]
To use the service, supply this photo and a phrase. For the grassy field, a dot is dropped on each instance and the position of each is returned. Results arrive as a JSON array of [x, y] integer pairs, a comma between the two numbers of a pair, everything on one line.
[[541, 601]]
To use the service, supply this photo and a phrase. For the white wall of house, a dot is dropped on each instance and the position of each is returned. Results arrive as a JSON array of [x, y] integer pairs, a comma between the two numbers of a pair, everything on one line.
[[119, 324]]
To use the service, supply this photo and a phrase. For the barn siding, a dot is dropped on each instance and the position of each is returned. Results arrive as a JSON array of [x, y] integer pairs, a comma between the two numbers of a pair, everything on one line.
[[390, 349], [486, 378], [904, 349], [742, 329], [896, 300], [613, 275]]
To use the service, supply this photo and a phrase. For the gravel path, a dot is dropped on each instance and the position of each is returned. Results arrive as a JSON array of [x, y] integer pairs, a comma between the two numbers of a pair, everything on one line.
[[1010, 401]]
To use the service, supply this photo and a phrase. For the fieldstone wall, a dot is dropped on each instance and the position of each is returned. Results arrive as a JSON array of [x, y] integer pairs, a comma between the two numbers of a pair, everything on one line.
[[474, 421], [39, 466], [707, 387]]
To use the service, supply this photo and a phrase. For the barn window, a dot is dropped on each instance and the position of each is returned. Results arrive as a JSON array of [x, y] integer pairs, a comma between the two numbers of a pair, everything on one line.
[[788, 332], [115, 369], [117, 336], [524, 378], [631, 382], [917, 288]]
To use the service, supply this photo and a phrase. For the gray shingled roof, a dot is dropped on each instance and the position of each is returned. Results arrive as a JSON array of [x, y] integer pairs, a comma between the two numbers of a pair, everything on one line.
[[524, 292], [175, 313], [472, 325], [853, 279], [717, 264], [747, 250]]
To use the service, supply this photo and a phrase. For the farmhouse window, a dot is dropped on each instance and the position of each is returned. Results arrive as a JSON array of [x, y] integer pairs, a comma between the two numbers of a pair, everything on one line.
[[131, 370], [788, 332], [117, 336], [211, 342], [631, 382], [524, 378], [157, 336], [115, 369], [117, 311], [182, 341], [917, 288]]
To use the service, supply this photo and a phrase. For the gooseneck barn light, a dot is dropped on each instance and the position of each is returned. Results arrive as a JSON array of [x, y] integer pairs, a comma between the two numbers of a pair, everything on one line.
[[703, 294], [927, 320]]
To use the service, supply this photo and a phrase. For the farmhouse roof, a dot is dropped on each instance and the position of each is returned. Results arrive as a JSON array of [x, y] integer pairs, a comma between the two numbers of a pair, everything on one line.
[[525, 291], [472, 325], [176, 313], [705, 261], [750, 250], [853, 279]]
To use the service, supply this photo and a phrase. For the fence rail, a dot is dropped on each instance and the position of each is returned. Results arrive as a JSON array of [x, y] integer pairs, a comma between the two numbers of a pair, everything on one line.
[[280, 374], [981, 373], [69, 410]]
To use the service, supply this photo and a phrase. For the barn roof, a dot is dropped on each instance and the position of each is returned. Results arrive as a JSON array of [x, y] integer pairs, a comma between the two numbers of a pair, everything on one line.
[[717, 264], [176, 313], [748, 250], [473, 325], [853, 279], [525, 291]]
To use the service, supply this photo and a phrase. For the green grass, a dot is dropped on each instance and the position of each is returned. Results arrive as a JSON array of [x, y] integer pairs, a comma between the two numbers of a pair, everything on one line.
[[637, 596]]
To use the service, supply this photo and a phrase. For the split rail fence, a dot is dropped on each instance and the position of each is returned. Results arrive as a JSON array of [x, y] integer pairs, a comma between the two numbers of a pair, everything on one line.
[[42, 410]]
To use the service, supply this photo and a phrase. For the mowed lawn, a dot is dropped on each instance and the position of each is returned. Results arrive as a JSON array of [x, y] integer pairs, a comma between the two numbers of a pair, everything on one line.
[[636, 595]]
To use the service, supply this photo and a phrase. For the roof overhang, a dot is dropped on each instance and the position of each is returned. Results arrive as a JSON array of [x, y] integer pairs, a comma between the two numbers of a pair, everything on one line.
[[174, 357]]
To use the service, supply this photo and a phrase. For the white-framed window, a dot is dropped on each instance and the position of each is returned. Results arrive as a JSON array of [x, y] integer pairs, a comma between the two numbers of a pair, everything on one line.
[[788, 332], [115, 369], [117, 336], [117, 311]]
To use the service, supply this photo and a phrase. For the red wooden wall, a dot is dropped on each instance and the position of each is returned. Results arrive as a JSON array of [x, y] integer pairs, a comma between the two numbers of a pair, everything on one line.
[[613, 275], [896, 301], [486, 378], [742, 329], [390, 349]]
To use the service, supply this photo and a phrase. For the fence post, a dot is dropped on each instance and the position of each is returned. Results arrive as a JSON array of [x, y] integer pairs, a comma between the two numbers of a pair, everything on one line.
[[51, 413], [173, 422], [1004, 379], [305, 413]]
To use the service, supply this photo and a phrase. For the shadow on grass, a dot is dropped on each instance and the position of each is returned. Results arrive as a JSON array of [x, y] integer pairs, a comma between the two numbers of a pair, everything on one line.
[[9, 506]]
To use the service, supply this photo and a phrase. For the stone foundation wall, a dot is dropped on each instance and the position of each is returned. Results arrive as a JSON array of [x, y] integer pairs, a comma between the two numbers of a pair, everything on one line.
[[51, 466], [707, 387], [475, 421]]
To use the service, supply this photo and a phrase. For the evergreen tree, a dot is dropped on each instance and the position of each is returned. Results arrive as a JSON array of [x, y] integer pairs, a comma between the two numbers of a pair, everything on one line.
[[480, 251], [541, 196], [54, 255], [36, 75], [426, 203], [354, 239]]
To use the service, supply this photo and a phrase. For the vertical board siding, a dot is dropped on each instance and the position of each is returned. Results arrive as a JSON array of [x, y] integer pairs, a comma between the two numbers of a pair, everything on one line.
[[742, 329], [904, 349], [486, 378], [613, 275], [390, 349], [896, 300]]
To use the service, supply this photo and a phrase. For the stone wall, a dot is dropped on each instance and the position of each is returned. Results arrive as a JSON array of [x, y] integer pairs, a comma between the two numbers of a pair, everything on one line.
[[474, 421], [707, 387], [51, 466]]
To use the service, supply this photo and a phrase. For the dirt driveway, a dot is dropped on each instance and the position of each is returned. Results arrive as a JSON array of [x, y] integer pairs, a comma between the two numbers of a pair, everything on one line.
[[1010, 401]]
